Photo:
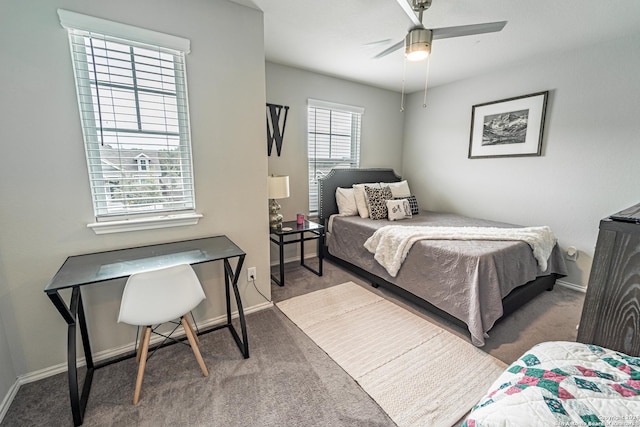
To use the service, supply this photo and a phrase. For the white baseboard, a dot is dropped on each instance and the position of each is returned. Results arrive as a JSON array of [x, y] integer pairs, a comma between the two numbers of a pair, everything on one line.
[[572, 286], [8, 399], [108, 354]]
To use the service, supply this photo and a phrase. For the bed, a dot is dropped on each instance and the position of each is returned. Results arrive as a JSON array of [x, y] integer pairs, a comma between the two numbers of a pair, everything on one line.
[[471, 283], [563, 384]]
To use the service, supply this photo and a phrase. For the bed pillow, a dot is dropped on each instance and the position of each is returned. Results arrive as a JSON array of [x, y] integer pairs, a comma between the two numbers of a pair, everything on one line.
[[398, 189], [415, 209], [398, 209], [378, 201], [361, 198], [346, 201]]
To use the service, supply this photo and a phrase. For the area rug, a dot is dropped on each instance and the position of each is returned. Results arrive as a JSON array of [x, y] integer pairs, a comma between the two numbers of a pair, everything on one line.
[[419, 374]]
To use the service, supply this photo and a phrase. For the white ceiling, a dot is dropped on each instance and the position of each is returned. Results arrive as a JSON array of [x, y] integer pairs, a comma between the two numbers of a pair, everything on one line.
[[333, 36]]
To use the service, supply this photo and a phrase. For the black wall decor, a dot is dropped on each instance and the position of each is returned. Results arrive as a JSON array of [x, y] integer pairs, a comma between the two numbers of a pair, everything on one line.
[[275, 133]]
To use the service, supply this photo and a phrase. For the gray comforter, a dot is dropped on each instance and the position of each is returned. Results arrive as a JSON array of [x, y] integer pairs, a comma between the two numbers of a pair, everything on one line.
[[466, 279]]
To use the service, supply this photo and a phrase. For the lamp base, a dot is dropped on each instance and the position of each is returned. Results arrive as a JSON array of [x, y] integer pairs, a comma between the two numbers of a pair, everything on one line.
[[275, 217]]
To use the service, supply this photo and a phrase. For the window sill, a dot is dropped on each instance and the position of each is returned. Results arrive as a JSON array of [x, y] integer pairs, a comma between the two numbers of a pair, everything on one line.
[[148, 223]]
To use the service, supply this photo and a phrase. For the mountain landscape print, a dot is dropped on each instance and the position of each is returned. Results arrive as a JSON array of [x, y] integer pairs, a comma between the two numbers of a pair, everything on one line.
[[505, 128]]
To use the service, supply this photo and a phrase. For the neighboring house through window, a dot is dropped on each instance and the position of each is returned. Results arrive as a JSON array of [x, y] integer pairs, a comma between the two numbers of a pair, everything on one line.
[[132, 94], [143, 162], [333, 141]]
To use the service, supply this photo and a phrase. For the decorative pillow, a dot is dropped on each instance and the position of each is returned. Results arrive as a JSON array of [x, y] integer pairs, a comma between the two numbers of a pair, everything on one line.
[[398, 209], [415, 210], [400, 190], [361, 198], [378, 201], [346, 200]]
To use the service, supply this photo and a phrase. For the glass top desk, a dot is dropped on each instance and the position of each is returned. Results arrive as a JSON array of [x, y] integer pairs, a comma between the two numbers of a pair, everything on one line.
[[95, 268]]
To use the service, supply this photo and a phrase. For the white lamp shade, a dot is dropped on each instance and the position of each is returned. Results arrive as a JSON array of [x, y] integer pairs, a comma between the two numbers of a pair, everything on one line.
[[278, 187]]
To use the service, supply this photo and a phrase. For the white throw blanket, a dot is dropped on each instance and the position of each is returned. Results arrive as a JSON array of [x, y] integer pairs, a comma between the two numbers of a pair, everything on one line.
[[391, 244]]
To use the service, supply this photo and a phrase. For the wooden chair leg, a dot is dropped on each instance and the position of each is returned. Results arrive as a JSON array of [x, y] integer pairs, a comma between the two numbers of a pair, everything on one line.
[[143, 363], [195, 336], [139, 349], [194, 346]]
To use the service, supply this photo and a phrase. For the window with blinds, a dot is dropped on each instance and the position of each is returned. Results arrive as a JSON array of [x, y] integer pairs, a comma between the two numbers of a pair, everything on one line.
[[133, 106], [333, 139]]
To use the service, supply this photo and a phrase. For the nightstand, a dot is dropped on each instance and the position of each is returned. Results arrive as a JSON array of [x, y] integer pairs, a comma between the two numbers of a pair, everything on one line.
[[301, 233]]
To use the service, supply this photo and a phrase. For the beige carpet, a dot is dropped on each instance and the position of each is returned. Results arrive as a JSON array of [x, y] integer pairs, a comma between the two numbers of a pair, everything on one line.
[[417, 372]]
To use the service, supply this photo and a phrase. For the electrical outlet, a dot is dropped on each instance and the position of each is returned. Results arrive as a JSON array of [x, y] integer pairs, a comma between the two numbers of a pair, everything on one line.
[[572, 253], [251, 274]]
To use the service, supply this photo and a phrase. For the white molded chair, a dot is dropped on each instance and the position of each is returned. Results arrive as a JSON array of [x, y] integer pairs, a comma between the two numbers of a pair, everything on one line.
[[156, 297]]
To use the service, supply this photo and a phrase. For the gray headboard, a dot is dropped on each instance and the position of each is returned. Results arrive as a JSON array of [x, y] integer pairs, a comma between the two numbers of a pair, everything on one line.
[[346, 178]]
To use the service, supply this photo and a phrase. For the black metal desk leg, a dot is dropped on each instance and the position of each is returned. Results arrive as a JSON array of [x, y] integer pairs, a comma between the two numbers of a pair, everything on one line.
[[70, 314], [86, 345], [84, 333], [320, 253], [231, 278], [72, 366], [243, 323], [227, 292]]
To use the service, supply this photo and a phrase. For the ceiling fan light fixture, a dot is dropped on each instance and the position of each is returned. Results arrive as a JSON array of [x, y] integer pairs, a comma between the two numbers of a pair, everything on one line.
[[417, 55], [418, 44]]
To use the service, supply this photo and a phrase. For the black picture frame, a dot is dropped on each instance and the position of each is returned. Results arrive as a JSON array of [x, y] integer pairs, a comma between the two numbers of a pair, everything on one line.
[[511, 127]]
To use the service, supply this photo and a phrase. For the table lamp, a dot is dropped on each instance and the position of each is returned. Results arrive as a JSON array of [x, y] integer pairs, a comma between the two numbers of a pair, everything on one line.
[[278, 189]]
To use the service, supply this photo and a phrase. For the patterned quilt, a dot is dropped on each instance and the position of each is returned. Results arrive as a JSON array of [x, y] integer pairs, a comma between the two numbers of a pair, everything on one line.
[[563, 384]]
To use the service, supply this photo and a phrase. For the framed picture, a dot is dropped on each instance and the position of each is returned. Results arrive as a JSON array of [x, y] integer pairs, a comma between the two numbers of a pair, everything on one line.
[[509, 127]]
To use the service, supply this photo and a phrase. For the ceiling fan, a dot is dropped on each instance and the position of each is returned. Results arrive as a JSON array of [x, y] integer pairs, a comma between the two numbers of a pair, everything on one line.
[[417, 43]]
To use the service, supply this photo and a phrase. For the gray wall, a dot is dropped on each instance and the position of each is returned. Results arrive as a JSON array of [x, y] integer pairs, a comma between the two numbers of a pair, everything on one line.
[[43, 179], [589, 164], [381, 128]]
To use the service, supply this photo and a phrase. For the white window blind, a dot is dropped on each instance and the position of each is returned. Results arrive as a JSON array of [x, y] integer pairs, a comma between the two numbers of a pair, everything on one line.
[[333, 139], [133, 107]]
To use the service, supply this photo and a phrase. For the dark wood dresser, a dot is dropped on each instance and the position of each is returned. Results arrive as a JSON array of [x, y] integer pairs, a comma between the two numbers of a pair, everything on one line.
[[611, 312]]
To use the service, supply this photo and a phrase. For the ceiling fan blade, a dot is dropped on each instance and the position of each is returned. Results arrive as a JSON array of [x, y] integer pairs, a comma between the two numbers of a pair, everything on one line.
[[467, 30], [408, 9], [390, 49], [378, 43]]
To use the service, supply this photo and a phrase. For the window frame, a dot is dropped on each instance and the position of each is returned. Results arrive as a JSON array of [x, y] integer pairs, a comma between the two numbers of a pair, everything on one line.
[[353, 161], [136, 37]]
